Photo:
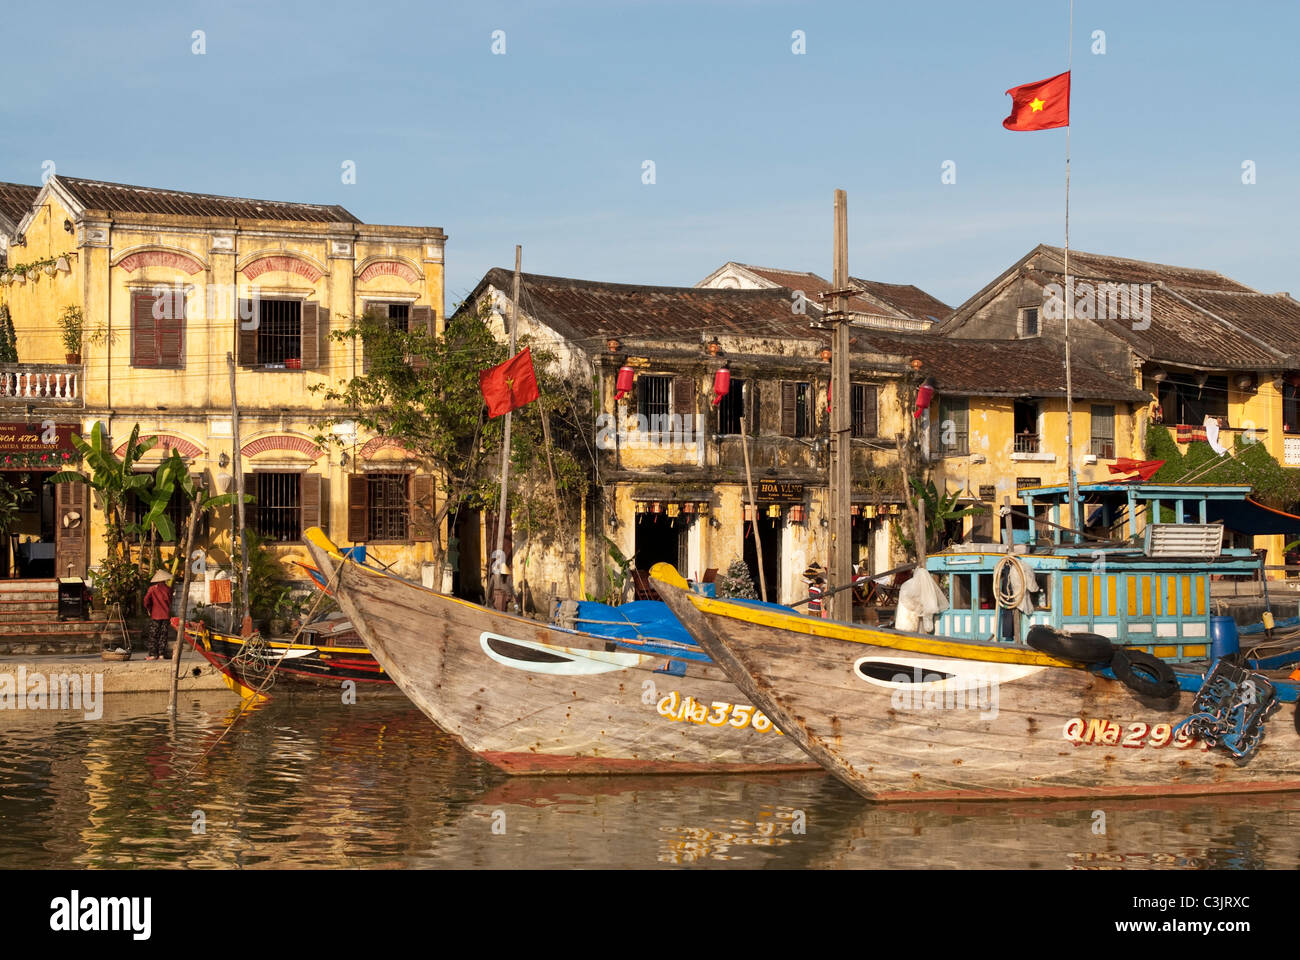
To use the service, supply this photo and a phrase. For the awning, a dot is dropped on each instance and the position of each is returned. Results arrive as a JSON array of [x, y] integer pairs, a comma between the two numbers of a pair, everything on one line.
[[1252, 517]]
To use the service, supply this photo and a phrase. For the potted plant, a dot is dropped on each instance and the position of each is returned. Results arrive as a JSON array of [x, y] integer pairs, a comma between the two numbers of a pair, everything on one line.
[[72, 322]]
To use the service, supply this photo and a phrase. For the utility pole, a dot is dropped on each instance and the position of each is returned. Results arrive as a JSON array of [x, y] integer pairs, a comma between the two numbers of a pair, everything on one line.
[[237, 464], [195, 510], [841, 529], [499, 555]]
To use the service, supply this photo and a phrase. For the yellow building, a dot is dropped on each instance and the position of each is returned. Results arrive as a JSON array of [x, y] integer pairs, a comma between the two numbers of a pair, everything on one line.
[[1199, 345], [173, 290]]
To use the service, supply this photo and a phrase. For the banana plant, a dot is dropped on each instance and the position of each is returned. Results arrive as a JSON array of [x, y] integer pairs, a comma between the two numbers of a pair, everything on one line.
[[939, 508], [113, 479]]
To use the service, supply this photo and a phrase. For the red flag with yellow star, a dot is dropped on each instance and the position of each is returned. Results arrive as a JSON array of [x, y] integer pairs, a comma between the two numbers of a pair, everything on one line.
[[1040, 106], [510, 385]]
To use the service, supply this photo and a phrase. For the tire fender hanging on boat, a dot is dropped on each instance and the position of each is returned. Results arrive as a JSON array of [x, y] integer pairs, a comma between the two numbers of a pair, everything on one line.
[[1145, 675], [1089, 648]]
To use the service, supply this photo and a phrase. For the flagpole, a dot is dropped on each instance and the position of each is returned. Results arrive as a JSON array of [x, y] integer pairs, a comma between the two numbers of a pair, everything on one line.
[[499, 555], [1069, 305]]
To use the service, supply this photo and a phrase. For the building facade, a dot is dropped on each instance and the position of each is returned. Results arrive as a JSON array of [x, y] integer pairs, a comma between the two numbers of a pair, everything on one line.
[[174, 291]]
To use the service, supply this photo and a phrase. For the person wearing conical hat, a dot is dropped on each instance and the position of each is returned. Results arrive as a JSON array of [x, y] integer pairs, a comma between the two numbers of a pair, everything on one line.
[[815, 577], [158, 604]]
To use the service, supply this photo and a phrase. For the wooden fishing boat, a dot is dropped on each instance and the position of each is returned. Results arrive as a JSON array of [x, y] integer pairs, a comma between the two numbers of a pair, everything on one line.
[[533, 698], [902, 716], [325, 656]]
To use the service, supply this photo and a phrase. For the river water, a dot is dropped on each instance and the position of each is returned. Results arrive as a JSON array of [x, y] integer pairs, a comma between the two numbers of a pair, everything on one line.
[[307, 781]]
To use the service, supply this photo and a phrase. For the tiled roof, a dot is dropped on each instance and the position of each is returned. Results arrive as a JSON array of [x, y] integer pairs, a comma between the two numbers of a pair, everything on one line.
[[1123, 270], [16, 199], [907, 299], [903, 299], [123, 198], [588, 310], [1272, 317], [1001, 368]]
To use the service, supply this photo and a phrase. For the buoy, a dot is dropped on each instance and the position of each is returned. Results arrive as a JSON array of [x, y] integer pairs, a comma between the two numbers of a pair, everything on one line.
[[1268, 619]]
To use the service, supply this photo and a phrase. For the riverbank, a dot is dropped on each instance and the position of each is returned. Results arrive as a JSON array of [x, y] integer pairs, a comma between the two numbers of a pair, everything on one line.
[[136, 675]]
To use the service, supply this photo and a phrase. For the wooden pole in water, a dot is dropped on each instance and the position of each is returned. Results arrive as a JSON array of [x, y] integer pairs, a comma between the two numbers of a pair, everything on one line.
[[499, 555], [237, 464], [753, 507], [195, 510]]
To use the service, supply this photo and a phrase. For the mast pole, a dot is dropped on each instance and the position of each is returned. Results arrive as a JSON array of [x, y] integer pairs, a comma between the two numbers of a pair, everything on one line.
[[1075, 522], [840, 555], [499, 555]]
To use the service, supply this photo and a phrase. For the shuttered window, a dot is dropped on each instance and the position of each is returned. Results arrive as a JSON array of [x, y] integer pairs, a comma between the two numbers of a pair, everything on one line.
[[390, 507], [388, 499], [279, 506], [280, 334], [654, 402], [864, 410], [739, 406], [796, 409], [1103, 432], [950, 433], [158, 329]]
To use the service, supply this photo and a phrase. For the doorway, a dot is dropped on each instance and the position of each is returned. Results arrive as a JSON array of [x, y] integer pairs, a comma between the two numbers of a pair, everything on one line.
[[465, 555], [28, 550], [769, 528]]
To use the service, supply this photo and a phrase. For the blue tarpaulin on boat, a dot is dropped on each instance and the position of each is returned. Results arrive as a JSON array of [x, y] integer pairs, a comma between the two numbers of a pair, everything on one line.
[[1251, 517], [644, 619]]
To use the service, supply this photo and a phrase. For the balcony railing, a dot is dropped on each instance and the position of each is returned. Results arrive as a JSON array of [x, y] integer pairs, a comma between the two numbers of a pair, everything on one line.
[[1026, 443], [40, 382]]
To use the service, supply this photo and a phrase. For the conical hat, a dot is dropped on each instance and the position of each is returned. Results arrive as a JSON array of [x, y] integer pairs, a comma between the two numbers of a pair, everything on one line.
[[162, 576]]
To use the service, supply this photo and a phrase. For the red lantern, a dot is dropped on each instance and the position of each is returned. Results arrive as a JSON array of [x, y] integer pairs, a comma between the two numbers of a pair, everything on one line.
[[626, 380], [923, 396], [721, 384]]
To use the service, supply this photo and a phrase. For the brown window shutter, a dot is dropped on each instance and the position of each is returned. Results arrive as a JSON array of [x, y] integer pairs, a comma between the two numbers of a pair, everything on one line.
[[751, 406], [422, 508], [684, 397], [250, 508], [247, 334], [309, 499], [311, 323], [421, 319], [171, 334], [789, 398], [144, 336], [358, 508], [868, 410], [71, 547]]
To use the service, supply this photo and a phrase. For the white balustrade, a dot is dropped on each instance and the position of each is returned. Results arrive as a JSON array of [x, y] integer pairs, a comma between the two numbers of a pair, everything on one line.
[[47, 382]]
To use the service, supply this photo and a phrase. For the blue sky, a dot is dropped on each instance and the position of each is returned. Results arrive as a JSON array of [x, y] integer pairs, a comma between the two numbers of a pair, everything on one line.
[[544, 145]]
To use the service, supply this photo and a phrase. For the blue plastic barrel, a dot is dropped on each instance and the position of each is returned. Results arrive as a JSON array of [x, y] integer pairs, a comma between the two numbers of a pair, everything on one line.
[[1223, 637]]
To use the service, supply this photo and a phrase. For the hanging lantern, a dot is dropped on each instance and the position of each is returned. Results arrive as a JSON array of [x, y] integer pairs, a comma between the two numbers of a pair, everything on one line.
[[774, 511], [640, 506], [688, 507], [656, 507], [924, 394], [674, 509], [626, 381], [749, 511], [702, 509], [721, 384], [869, 511], [63, 266], [797, 514]]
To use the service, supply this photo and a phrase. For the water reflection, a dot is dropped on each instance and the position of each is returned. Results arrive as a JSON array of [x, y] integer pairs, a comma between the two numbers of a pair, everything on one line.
[[310, 782]]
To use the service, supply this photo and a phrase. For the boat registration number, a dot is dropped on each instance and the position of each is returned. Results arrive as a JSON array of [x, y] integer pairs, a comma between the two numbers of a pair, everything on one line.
[[716, 714], [1111, 733]]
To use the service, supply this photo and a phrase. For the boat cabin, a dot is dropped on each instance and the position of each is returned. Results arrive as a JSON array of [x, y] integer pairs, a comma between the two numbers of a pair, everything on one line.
[[1139, 573]]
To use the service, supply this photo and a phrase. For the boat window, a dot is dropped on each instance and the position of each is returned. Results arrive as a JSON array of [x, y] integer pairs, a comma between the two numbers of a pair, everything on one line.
[[986, 591], [960, 597]]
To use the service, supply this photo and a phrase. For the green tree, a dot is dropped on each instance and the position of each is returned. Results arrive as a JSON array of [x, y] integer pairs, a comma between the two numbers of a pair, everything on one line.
[[940, 508], [736, 582], [423, 391], [8, 336]]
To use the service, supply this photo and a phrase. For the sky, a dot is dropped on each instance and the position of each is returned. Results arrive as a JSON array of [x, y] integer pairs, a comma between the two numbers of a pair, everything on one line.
[[545, 144]]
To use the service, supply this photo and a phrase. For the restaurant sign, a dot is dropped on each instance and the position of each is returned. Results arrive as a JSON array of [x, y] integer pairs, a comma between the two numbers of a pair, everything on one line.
[[779, 491], [27, 445]]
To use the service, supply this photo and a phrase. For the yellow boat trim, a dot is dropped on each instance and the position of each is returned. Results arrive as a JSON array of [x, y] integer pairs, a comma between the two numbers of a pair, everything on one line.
[[855, 634]]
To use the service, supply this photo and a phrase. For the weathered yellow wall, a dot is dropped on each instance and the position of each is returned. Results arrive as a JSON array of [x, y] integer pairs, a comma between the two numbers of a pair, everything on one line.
[[36, 306]]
